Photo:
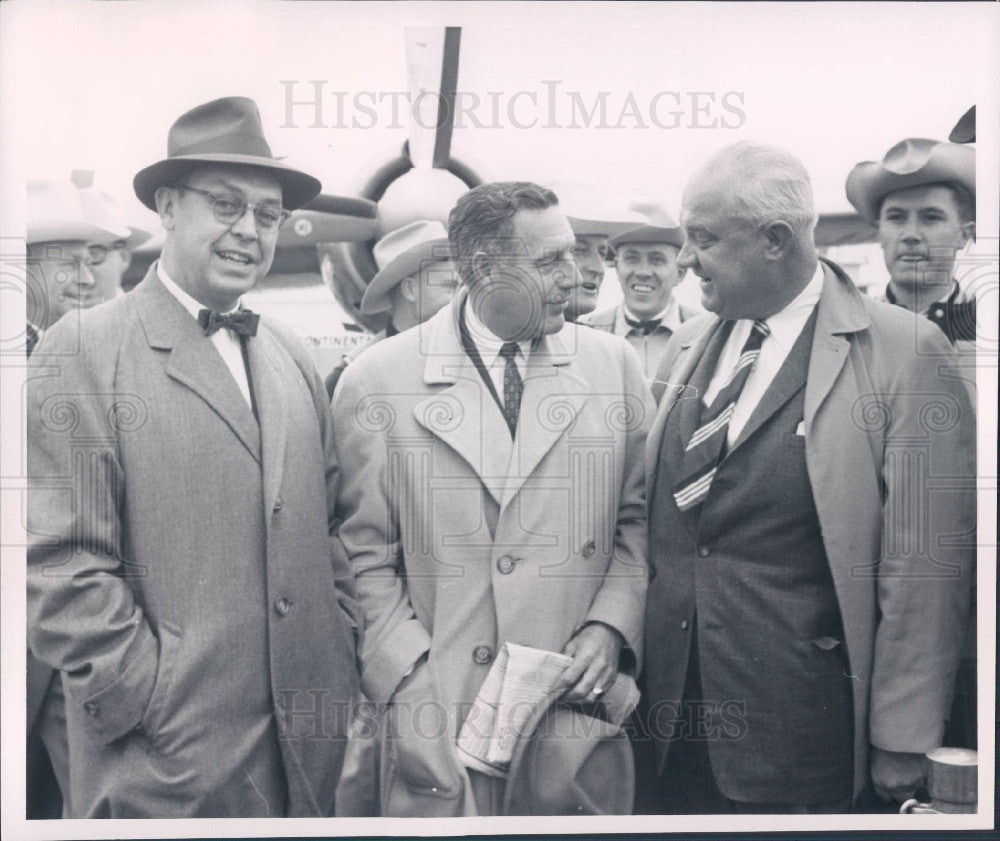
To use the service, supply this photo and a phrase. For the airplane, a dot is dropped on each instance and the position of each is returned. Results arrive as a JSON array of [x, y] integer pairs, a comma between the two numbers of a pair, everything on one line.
[[323, 259]]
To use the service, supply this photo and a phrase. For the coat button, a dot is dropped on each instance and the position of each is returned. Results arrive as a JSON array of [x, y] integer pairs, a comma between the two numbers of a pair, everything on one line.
[[282, 605], [589, 548], [91, 709], [684, 624], [704, 551], [277, 505], [482, 654], [505, 563]]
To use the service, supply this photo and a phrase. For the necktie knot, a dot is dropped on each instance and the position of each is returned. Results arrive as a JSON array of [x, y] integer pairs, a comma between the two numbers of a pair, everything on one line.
[[241, 322], [508, 350]]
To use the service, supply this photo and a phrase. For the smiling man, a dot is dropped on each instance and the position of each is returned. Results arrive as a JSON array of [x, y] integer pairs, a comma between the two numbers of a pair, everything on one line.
[[802, 625], [646, 263], [472, 516], [183, 574]]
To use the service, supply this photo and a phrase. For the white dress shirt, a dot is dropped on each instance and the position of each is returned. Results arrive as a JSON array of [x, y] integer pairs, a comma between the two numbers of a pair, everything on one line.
[[488, 344], [786, 326], [225, 341]]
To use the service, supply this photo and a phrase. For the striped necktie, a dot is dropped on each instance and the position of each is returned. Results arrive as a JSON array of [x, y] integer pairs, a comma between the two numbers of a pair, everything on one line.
[[701, 457], [513, 386]]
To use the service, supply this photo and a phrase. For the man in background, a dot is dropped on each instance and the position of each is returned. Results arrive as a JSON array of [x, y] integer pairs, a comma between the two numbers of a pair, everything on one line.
[[646, 263], [77, 251], [415, 280]]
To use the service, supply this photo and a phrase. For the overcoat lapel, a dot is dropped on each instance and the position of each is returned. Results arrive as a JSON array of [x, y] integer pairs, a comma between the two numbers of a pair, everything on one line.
[[550, 403], [464, 415], [840, 312], [269, 378], [194, 362]]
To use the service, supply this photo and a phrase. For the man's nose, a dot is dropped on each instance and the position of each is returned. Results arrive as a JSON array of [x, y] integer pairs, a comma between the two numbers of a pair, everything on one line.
[[84, 276], [569, 276], [246, 225], [686, 258], [911, 232]]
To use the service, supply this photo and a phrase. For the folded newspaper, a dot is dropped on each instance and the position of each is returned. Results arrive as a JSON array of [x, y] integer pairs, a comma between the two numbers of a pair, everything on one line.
[[520, 679]]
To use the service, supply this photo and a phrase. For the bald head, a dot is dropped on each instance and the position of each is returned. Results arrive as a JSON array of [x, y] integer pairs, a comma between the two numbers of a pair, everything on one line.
[[759, 184], [748, 221]]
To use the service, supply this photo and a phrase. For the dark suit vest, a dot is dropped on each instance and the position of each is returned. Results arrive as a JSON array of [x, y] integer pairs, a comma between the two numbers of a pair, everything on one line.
[[750, 576]]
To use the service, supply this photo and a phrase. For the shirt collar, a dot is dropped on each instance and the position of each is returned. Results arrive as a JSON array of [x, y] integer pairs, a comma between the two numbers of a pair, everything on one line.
[[954, 294], [669, 317], [189, 303], [487, 342], [787, 323]]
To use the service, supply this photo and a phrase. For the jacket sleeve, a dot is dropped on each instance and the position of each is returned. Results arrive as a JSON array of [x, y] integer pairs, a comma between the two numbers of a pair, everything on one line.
[[928, 550], [83, 618], [621, 600], [394, 639]]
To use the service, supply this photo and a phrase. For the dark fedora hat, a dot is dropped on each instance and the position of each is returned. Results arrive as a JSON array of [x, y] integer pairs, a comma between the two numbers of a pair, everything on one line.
[[571, 761], [224, 131]]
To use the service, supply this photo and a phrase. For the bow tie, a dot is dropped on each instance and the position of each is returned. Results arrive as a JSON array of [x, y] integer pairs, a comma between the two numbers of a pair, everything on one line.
[[647, 326], [241, 322]]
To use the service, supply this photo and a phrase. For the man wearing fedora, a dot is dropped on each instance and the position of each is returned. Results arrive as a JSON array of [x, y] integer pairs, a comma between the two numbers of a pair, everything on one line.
[[73, 240], [922, 199], [183, 575], [804, 616], [415, 279], [492, 494], [646, 263]]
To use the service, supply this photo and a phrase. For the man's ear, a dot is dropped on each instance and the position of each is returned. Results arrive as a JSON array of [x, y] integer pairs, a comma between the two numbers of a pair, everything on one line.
[[968, 233], [166, 206], [408, 288], [482, 264], [780, 238], [126, 259]]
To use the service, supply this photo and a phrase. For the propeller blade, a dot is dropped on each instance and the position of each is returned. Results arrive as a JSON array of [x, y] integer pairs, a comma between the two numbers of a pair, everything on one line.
[[330, 218], [432, 79]]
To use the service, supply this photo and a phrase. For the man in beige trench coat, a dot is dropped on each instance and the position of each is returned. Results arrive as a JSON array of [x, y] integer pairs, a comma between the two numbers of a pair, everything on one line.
[[493, 492]]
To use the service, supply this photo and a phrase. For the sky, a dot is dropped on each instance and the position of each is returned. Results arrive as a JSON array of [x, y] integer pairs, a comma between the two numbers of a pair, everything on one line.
[[97, 85]]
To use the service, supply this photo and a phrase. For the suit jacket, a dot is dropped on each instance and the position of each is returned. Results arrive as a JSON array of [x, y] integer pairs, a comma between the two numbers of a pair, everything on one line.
[[883, 430], [182, 569], [462, 540]]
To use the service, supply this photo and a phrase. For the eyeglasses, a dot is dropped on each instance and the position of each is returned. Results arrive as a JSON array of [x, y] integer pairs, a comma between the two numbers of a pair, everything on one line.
[[229, 210]]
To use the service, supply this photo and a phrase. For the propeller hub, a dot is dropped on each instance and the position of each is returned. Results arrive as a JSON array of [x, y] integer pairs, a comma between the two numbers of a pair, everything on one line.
[[420, 194]]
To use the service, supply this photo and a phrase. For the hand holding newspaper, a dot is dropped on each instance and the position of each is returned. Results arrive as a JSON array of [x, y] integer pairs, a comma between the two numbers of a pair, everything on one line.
[[520, 679]]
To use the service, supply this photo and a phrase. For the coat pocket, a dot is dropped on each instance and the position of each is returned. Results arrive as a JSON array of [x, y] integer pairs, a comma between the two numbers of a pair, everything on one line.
[[152, 721]]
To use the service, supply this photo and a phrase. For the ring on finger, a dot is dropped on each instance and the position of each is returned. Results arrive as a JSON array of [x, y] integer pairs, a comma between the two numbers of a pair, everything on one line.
[[597, 690]]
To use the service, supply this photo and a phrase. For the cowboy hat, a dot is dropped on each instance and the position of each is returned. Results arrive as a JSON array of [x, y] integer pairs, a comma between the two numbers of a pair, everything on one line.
[[910, 163], [965, 128], [402, 253], [224, 131], [572, 760], [58, 211], [659, 226]]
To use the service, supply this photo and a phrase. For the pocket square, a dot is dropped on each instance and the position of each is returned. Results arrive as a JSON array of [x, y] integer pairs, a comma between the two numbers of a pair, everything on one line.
[[801, 428]]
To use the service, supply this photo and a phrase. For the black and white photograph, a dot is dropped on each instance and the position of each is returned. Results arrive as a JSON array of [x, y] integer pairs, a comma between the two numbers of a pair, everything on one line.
[[452, 418]]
